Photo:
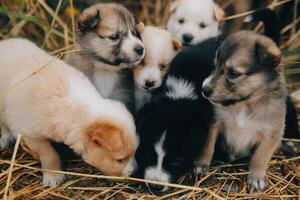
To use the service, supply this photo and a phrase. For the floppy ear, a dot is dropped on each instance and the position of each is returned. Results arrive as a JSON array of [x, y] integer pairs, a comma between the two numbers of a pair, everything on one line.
[[106, 135], [176, 43], [268, 53], [88, 20], [174, 5], [140, 28], [219, 13]]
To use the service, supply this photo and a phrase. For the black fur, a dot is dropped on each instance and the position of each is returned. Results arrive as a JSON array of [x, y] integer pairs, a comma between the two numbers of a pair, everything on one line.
[[185, 121]]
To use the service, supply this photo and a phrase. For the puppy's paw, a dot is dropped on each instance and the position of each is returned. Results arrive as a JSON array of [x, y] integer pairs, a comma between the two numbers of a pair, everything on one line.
[[257, 181], [51, 179], [202, 168], [6, 139]]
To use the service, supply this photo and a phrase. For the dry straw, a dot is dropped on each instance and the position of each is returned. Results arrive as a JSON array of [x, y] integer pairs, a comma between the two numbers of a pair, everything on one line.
[[20, 173]]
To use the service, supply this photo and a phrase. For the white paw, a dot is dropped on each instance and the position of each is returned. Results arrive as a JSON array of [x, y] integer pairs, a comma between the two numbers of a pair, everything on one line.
[[256, 181], [202, 169], [130, 167], [6, 139], [51, 179]]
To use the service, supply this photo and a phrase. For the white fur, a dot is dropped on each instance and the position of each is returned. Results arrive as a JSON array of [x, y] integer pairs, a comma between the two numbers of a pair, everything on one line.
[[128, 46], [180, 89], [157, 173], [194, 12], [160, 49], [57, 95], [6, 137], [130, 167]]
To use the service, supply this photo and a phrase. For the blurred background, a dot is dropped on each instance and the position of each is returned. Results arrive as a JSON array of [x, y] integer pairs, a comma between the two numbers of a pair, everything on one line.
[[51, 24]]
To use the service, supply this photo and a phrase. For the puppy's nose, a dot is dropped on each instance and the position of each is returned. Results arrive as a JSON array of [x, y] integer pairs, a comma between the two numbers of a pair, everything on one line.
[[139, 50], [149, 84], [207, 91], [187, 38], [156, 188]]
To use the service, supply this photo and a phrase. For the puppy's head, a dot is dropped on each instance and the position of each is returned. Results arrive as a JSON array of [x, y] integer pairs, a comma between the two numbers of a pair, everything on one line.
[[109, 146], [107, 33], [247, 68], [161, 47], [193, 21]]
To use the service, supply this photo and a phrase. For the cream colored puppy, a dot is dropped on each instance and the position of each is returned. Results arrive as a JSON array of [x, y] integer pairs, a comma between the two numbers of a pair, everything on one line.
[[59, 103], [161, 47]]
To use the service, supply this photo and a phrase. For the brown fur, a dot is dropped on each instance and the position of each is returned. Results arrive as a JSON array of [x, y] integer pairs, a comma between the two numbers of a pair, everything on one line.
[[249, 91]]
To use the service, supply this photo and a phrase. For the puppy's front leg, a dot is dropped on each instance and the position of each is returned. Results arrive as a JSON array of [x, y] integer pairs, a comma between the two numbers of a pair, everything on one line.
[[204, 161], [49, 160], [260, 159]]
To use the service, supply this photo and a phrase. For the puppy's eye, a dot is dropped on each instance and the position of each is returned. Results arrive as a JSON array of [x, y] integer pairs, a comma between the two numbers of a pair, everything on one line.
[[122, 160], [202, 25], [232, 74], [115, 37], [163, 67], [181, 21]]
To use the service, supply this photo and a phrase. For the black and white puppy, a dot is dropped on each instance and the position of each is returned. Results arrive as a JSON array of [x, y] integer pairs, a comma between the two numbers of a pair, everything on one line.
[[174, 125]]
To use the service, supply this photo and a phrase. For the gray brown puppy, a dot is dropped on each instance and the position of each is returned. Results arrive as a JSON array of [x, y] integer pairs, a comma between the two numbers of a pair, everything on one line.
[[110, 46], [249, 92]]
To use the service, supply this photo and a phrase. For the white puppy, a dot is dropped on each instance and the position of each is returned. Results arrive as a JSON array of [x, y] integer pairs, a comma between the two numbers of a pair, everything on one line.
[[193, 21], [59, 103], [161, 47]]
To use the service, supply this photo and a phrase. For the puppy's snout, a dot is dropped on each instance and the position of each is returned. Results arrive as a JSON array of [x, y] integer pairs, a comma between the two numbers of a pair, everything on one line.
[[149, 84], [206, 91], [139, 50], [187, 38]]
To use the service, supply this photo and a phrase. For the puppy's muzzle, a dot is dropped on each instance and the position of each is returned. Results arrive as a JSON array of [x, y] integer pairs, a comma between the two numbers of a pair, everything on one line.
[[206, 91], [139, 50], [187, 38]]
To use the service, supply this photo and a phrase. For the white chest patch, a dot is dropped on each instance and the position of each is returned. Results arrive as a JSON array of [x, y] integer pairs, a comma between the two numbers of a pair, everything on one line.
[[105, 82], [242, 119], [157, 172], [180, 89]]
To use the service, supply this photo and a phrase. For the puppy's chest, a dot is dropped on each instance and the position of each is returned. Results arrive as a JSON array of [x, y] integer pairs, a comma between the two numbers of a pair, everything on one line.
[[106, 82], [243, 130]]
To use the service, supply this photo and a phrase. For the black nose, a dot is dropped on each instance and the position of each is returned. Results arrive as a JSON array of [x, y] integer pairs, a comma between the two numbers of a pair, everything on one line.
[[139, 50], [149, 84], [187, 38], [206, 91], [156, 188]]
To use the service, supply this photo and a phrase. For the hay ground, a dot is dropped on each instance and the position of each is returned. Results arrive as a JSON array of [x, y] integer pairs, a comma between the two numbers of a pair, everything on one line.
[[53, 30]]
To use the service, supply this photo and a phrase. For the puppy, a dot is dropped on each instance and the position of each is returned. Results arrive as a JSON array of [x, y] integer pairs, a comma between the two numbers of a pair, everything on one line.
[[249, 92], [193, 21], [174, 125], [160, 48], [58, 103], [110, 47]]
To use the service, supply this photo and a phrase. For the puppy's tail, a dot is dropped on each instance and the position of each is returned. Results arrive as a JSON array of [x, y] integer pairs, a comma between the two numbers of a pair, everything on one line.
[[270, 20]]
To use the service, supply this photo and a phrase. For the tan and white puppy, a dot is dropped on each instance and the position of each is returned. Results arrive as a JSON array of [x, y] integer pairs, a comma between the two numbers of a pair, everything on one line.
[[58, 103], [161, 47], [193, 21], [110, 47]]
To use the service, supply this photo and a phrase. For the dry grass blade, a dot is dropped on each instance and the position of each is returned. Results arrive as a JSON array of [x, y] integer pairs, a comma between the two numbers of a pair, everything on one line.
[[54, 30], [11, 166]]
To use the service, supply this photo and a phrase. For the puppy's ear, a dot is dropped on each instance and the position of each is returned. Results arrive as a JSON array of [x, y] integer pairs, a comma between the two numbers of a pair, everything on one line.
[[174, 5], [219, 13], [268, 53], [88, 20], [176, 43], [140, 28], [106, 135]]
